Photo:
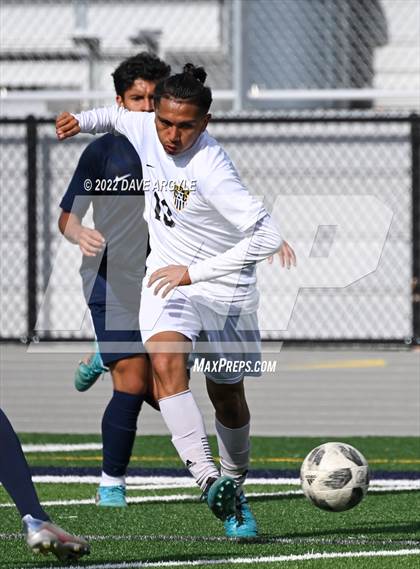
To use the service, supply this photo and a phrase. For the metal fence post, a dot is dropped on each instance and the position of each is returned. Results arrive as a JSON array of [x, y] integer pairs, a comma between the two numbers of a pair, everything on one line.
[[237, 56], [415, 188], [31, 229]]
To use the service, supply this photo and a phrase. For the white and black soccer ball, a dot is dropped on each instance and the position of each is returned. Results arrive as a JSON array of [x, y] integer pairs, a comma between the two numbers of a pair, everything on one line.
[[335, 477]]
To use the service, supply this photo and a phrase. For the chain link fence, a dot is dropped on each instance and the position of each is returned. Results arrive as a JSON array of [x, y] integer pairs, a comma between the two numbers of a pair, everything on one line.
[[246, 46], [318, 178], [13, 242], [344, 188]]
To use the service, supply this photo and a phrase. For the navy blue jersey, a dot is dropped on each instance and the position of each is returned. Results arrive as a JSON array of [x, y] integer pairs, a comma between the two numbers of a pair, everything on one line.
[[109, 176]]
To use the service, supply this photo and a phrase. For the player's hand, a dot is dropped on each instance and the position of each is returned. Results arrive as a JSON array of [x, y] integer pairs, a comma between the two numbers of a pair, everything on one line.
[[66, 125], [286, 255], [170, 277], [90, 241]]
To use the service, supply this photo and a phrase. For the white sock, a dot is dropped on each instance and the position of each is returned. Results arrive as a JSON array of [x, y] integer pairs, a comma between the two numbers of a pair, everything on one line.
[[111, 480], [184, 421], [234, 448]]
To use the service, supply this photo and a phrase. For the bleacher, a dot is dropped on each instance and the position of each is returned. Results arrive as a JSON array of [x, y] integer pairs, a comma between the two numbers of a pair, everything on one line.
[[74, 46]]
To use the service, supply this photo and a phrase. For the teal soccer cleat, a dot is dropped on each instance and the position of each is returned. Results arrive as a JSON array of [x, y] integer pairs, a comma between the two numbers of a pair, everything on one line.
[[220, 496], [242, 525], [87, 373], [46, 537], [111, 497]]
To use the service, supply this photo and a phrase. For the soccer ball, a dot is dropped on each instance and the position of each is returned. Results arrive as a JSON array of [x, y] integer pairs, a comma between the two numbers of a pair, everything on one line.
[[335, 477]]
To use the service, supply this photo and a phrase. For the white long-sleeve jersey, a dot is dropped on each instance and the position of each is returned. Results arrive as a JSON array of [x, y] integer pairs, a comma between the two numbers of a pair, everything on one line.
[[199, 213]]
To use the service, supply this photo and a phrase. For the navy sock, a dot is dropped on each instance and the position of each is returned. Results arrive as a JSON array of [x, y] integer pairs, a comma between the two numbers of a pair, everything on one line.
[[14, 472], [119, 425]]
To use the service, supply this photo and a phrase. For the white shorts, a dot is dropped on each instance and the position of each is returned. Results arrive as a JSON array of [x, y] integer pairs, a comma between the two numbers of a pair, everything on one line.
[[228, 347]]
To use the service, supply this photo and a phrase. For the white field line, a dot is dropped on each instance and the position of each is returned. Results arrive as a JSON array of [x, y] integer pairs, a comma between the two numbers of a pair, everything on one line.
[[162, 482], [51, 447], [195, 497], [155, 482], [247, 560]]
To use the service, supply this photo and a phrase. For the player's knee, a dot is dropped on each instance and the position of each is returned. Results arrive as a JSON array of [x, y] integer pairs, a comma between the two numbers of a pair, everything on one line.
[[227, 398], [130, 384], [129, 376], [230, 404], [170, 375], [168, 367]]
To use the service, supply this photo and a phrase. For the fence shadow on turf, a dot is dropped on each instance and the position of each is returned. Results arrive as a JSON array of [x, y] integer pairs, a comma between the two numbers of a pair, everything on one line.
[[368, 529], [265, 498]]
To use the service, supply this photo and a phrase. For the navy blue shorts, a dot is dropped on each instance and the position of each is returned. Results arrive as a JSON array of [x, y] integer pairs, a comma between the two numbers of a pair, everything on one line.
[[115, 315]]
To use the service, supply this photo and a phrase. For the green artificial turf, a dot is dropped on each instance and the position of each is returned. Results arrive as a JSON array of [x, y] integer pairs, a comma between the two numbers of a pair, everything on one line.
[[164, 531], [181, 531], [383, 453]]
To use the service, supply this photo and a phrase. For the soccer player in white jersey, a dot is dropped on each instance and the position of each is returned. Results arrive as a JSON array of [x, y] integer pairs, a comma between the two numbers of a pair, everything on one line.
[[208, 232]]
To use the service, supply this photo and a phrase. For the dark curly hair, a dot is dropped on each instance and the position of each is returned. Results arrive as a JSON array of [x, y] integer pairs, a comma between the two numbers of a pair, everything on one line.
[[141, 66], [188, 85]]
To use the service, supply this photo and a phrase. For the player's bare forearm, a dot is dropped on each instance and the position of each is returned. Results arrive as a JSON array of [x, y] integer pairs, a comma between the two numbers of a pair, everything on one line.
[[66, 125], [69, 226], [90, 241], [169, 277]]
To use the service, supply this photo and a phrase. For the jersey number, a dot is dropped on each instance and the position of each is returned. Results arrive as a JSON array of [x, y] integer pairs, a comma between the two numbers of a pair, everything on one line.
[[167, 214]]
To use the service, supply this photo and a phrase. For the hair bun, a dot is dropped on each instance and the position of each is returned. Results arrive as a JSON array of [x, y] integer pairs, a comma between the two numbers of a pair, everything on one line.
[[196, 72]]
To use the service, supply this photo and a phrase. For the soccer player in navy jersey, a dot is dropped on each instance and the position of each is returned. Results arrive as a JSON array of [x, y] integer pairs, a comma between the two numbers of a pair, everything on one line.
[[40, 533], [109, 176]]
